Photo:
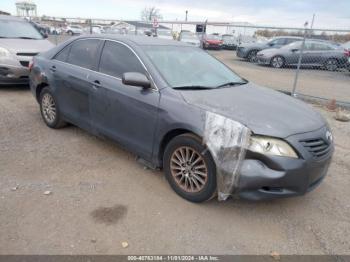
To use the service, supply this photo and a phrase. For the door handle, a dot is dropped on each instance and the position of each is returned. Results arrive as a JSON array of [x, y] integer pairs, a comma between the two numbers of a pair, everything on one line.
[[53, 69], [96, 84]]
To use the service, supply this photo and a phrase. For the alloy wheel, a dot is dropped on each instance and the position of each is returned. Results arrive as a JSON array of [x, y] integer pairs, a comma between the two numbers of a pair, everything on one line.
[[48, 108], [189, 169], [277, 62], [331, 65]]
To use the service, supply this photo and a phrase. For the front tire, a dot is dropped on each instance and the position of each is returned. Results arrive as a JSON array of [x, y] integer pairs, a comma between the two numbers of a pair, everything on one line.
[[252, 56], [49, 110], [277, 62], [190, 169]]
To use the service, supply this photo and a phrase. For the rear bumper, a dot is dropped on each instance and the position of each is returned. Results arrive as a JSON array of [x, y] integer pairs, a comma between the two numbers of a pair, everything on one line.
[[13, 75], [265, 177]]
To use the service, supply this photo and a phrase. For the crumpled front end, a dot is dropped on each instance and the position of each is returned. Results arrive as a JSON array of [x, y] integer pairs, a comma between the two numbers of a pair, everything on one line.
[[227, 141]]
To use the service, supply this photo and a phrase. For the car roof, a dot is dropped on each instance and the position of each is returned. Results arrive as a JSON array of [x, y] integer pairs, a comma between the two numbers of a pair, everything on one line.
[[136, 40], [286, 36]]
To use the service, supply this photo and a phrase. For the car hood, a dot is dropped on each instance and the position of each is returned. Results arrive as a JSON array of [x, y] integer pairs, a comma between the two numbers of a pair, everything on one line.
[[26, 45], [264, 111]]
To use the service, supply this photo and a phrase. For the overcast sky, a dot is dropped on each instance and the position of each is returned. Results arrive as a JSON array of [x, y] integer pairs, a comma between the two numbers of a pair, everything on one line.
[[329, 14]]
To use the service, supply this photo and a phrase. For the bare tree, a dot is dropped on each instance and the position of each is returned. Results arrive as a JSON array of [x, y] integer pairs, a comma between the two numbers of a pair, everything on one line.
[[150, 13]]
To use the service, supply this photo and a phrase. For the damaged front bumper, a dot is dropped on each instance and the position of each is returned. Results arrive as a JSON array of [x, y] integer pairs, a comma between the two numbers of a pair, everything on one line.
[[267, 177]]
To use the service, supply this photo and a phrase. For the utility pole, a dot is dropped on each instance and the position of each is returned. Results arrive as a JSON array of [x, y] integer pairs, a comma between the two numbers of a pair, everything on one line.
[[312, 25], [186, 15]]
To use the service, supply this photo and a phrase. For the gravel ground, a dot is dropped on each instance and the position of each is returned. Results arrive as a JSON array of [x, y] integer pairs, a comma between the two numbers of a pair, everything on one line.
[[98, 196]]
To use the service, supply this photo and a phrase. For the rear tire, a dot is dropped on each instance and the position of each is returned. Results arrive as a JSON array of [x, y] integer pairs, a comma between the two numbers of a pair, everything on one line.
[[277, 62], [49, 109], [190, 169]]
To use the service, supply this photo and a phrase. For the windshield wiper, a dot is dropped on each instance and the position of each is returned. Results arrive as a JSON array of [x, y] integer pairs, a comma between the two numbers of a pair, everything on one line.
[[232, 84], [193, 87]]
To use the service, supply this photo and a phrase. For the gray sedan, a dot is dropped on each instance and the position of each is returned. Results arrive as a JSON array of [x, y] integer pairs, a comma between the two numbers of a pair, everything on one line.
[[250, 50], [178, 108], [316, 53]]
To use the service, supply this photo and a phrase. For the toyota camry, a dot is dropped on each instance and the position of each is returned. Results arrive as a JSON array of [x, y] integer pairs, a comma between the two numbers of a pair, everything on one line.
[[181, 110]]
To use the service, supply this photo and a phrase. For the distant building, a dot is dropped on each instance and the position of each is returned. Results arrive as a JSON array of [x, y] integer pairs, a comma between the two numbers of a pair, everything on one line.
[[133, 26], [26, 8]]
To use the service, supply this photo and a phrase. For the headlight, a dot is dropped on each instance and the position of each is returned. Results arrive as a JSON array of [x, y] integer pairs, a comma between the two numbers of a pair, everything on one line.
[[4, 52], [271, 146]]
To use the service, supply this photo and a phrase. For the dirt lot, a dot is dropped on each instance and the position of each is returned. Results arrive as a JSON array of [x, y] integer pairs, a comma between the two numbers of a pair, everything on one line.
[[100, 197]]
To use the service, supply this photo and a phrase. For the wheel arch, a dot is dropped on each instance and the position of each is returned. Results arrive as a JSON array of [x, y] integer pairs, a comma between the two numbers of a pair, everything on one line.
[[38, 90], [171, 134]]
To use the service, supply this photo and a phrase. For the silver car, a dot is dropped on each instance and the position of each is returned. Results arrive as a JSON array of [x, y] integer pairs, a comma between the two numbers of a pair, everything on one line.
[[19, 42], [317, 53], [189, 38]]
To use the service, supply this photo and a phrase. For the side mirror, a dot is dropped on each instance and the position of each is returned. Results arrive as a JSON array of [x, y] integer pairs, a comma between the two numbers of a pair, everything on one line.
[[294, 50], [136, 79], [271, 44]]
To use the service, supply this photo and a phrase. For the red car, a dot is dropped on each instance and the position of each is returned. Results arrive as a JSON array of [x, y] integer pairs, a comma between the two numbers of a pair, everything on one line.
[[212, 42]]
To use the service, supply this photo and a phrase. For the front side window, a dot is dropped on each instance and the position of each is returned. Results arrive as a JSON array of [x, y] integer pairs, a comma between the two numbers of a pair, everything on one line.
[[84, 53], [117, 59], [18, 29], [63, 55], [189, 66]]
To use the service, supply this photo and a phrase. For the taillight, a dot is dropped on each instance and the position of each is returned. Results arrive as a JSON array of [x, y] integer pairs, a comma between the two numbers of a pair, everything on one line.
[[31, 64], [347, 52]]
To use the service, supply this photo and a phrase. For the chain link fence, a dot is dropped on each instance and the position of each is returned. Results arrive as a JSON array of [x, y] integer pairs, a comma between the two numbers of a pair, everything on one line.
[[304, 62]]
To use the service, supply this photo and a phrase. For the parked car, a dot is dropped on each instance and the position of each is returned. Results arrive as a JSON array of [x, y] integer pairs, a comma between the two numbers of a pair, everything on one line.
[[212, 41], [97, 29], [165, 34], [180, 109], [189, 38], [74, 30], [317, 53], [347, 52], [19, 42], [229, 42], [55, 30], [250, 50]]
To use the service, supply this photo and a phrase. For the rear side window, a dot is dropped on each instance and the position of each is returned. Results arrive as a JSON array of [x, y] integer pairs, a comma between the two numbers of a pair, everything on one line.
[[63, 55], [84, 53], [117, 59]]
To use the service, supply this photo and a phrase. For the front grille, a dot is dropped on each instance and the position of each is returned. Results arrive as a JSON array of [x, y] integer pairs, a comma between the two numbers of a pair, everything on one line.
[[317, 147], [27, 54], [24, 63]]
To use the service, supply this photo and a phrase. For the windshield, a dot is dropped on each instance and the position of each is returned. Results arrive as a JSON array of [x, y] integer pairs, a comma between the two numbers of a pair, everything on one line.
[[294, 45], [228, 37], [213, 37], [190, 66], [18, 29]]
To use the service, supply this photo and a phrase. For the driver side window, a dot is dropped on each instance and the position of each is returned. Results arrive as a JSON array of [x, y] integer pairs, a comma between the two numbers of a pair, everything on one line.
[[117, 59]]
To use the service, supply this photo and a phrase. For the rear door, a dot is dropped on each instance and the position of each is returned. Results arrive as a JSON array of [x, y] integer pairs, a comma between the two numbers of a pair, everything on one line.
[[127, 114], [73, 86]]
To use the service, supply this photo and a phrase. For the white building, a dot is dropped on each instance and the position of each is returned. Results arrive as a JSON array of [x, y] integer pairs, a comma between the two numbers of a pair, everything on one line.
[[26, 8]]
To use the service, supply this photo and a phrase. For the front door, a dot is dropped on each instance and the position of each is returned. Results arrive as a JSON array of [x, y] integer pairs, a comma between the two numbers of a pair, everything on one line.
[[127, 114]]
